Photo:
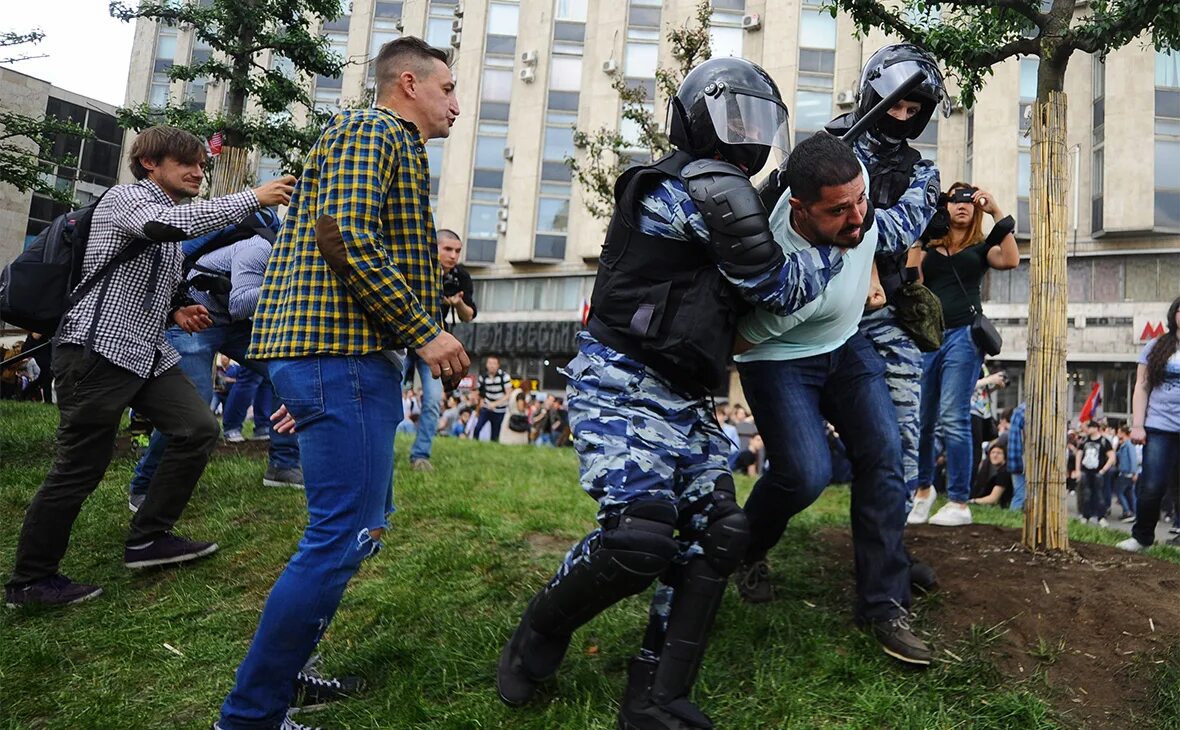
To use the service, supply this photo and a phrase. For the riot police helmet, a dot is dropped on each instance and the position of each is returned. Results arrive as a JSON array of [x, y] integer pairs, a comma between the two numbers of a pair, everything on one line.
[[887, 69], [729, 108]]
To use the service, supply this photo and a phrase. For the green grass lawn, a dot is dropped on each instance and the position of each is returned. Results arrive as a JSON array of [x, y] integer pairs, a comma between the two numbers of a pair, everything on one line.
[[425, 620]]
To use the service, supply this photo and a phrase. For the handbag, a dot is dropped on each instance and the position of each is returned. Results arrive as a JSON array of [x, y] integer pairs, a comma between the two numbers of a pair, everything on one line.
[[919, 312], [985, 334], [518, 422]]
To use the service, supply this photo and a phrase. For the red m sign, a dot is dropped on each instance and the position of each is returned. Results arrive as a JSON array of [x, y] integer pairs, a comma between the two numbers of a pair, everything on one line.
[[1150, 330]]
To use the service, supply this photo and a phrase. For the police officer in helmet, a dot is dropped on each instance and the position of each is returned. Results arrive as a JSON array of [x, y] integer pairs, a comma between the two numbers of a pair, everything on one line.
[[688, 248]]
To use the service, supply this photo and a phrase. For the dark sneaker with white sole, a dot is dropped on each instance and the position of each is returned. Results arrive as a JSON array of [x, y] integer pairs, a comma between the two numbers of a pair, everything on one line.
[[135, 501], [56, 590], [165, 550], [291, 478], [313, 689], [900, 642]]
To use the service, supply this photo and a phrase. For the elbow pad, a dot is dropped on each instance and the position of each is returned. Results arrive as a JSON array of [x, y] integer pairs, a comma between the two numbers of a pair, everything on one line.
[[739, 226], [163, 233]]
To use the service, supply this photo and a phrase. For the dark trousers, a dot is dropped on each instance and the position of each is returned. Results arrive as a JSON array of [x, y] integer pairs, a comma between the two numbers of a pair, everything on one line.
[[1161, 456], [790, 399], [92, 395], [487, 415], [1090, 494]]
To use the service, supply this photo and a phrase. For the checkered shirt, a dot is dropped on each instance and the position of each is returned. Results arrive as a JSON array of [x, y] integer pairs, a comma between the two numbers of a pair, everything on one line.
[[369, 172], [124, 316]]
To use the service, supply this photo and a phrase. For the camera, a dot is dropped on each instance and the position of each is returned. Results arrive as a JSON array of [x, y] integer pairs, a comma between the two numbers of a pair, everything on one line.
[[451, 284], [962, 195]]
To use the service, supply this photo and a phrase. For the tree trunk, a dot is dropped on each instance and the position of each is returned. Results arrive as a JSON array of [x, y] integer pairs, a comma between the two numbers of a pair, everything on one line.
[[1045, 525]]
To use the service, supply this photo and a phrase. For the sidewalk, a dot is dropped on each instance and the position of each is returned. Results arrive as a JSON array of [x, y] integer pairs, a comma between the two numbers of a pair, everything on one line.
[[1161, 529]]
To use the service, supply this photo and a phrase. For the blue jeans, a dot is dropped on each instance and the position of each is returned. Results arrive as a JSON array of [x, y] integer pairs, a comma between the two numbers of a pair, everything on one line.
[[1161, 455], [948, 380], [432, 391], [250, 389], [196, 362], [1018, 486], [1124, 489], [847, 387], [346, 410]]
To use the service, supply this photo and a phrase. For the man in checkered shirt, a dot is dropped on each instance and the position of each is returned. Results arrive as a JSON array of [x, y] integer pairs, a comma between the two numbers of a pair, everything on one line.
[[110, 353]]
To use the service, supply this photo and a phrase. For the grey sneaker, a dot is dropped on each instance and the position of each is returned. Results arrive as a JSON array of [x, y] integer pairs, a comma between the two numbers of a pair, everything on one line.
[[135, 501], [274, 477], [421, 465], [288, 724], [234, 436], [753, 582], [165, 550], [56, 590]]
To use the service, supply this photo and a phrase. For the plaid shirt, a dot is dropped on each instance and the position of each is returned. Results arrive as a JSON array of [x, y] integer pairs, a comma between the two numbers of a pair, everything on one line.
[[123, 318], [1016, 441], [368, 171]]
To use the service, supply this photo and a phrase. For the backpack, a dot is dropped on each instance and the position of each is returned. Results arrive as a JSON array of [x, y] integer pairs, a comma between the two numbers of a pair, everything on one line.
[[45, 280], [217, 283]]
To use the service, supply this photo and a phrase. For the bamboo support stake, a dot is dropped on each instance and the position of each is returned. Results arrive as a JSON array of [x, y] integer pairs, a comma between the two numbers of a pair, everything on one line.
[[1045, 526], [231, 172]]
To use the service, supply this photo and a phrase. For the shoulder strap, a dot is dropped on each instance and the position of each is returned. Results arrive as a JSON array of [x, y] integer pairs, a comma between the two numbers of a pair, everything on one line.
[[135, 248], [955, 271]]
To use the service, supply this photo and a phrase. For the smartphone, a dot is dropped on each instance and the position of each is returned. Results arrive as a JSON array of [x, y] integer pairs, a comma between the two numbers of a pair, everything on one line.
[[962, 195]]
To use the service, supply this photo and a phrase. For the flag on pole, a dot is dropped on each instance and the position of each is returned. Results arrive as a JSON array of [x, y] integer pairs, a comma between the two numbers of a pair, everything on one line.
[[585, 312], [215, 144], [1093, 407]]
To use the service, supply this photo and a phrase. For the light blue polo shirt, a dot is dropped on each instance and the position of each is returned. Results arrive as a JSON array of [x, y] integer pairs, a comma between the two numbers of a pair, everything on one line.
[[825, 323]]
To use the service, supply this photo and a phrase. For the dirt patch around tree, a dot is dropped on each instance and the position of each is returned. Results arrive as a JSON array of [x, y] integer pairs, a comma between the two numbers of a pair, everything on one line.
[[1082, 625], [125, 446]]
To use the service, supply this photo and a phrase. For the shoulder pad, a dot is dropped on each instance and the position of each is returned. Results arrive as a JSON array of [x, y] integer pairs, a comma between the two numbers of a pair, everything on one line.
[[699, 168]]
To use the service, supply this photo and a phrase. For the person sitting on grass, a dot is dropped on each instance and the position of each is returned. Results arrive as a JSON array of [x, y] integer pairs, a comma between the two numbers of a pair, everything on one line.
[[993, 483]]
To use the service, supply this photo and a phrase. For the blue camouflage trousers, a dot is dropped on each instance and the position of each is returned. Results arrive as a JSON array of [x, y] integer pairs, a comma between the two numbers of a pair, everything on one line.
[[638, 439], [903, 374]]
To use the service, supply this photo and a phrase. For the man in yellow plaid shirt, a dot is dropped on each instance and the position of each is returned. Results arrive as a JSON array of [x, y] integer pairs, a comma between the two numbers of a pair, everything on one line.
[[353, 280]]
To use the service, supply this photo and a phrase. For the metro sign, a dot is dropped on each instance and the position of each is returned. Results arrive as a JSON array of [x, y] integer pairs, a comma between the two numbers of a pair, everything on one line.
[[1146, 328]]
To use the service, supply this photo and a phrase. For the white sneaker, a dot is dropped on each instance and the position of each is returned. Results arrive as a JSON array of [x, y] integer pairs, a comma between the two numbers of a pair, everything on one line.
[[234, 436], [1102, 522], [920, 514], [951, 516], [1131, 545]]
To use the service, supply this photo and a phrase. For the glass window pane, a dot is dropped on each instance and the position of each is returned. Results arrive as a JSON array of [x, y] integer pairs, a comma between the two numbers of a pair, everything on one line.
[[497, 85], [553, 214], [640, 60], [438, 32], [489, 153], [503, 19], [434, 157], [569, 292], [1142, 279], [1079, 272], [1167, 69], [1028, 77], [1167, 212], [1023, 174], [1096, 175], [813, 109], [1098, 78], [571, 10], [1167, 165], [481, 222], [1108, 280], [1018, 284], [565, 73], [726, 41], [559, 142], [166, 45], [817, 29]]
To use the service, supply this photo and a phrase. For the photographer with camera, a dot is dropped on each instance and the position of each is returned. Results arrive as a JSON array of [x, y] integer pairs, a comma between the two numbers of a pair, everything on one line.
[[953, 268], [458, 302], [223, 272]]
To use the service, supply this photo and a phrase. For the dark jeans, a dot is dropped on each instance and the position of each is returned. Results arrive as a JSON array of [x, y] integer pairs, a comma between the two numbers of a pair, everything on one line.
[[1161, 455], [92, 395], [847, 387], [251, 388], [487, 415], [197, 352], [1090, 493], [1124, 489]]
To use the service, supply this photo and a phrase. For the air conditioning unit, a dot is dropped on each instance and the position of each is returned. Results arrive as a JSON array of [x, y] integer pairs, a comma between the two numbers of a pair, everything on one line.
[[846, 97], [502, 201], [502, 227], [456, 39], [507, 156], [457, 25], [527, 75], [751, 22], [529, 58], [502, 214], [458, 10], [610, 67], [399, 25]]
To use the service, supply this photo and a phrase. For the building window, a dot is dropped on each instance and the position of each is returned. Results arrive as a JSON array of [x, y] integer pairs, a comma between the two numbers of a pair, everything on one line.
[[574, 10], [1028, 95], [1167, 140], [817, 66], [927, 142], [725, 29], [439, 22], [527, 294], [1097, 137], [970, 144], [386, 18], [434, 158]]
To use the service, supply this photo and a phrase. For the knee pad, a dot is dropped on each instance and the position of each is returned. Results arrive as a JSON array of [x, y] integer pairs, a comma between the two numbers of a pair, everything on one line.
[[727, 536], [639, 538]]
